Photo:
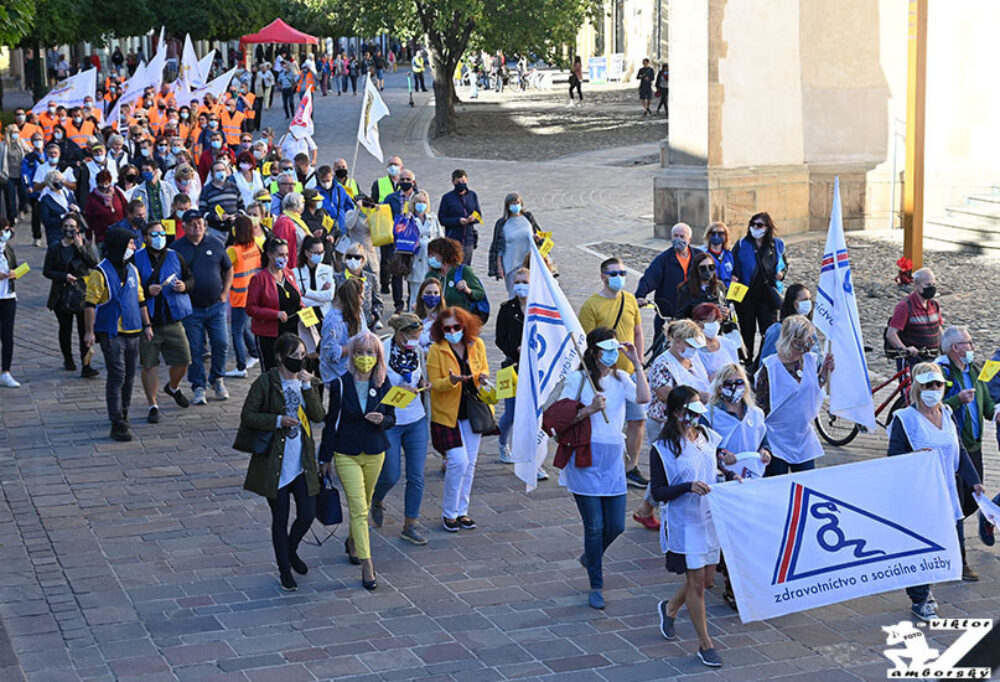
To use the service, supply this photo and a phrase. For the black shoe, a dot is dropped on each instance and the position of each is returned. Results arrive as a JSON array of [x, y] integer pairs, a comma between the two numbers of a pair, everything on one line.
[[450, 526], [466, 523], [288, 583], [178, 397], [69, 366], [154, 415], [298, 565], [635, 478], [347, 548], [120, 432], [369, 585], [89, 372]]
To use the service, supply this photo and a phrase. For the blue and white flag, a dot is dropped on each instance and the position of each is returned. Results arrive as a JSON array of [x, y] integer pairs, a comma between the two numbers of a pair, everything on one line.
[[547, 355], [837, 317]]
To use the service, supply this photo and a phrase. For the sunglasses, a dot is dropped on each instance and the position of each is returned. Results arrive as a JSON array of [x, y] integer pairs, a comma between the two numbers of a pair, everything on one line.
[[158, 233], [758, 224], [801, 345], [706, 268], [615, 273], [279, 242], [934, 384], [736, 383], [452, 328]]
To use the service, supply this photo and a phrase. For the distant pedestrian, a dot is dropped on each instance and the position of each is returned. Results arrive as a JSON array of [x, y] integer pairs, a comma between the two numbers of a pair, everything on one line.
[[575, 79], [662, 88], [645, 76]]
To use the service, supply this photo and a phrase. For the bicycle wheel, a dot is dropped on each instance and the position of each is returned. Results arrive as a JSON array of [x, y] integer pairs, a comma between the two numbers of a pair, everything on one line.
[[833, 429], [898, 404]]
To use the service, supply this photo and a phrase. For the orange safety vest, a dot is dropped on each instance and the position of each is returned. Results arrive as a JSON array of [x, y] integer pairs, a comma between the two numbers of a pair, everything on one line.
[[244, 268], [306, 79], [249, 113], [231, 126], [93, 112], [79, 135], [28, 130], [48, 123]]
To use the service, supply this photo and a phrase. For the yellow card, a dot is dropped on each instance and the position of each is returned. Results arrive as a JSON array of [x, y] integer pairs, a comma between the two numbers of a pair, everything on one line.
[[169, 226], [307, 316], [545, 235], [328, 223], [21, 270], [989, 370], [506, 383], [737, 291], [267, 221], [266, 168], [219, 211], [546, 246], [398, 397], [476, 216], [305, 421]]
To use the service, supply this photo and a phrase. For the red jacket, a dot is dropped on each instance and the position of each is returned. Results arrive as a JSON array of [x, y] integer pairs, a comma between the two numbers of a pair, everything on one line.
[[285, 228], [210, 156], [102, 213], [558, 420], [262, 302]]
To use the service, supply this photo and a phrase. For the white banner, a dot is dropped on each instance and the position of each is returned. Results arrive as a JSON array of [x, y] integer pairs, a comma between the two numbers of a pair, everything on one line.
[[547, 355], [302, 122], [205, 66], [748, 465], [372, 109], [134, 88], [837, 318], [820, 537], [154, 69], [71, 92], [215, 87], [989, 508]]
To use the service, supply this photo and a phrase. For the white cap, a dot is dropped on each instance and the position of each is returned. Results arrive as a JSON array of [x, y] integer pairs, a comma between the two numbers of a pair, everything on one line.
[[696, 407]]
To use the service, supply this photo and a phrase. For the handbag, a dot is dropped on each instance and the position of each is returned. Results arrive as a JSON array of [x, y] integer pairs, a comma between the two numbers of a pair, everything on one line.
[[328, 509], [481, 417], [71, 297]]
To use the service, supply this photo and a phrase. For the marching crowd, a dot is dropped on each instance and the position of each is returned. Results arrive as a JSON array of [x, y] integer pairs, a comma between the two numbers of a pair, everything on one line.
[[196, 236]]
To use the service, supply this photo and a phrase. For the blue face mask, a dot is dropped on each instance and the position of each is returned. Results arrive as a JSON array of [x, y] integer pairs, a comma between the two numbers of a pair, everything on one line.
[[176, 150], [315, 258], [515, 209], [145, 151], [216, 144], [434, 262], [609, 357], [521, 289], [616, 283], [420, 207], [219, 176], [158, 243], [147, 176], [280, 262], [455, 337], [431, 300], [716, 239]]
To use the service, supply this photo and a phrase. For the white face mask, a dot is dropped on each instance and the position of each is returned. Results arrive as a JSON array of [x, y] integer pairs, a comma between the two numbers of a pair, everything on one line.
[[804, 307], [688, 352], [758, 232], [970, 357], [129, 252], [711, 329], [931, 398]]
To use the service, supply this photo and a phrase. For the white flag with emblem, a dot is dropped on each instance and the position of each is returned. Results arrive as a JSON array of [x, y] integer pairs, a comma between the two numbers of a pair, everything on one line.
[[372, 109], [71, 92], [302, 122], [547, 355], [134, 88], [837, 318]]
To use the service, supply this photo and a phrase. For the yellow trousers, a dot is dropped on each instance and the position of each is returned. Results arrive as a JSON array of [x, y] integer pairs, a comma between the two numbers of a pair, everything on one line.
[[358, 476]]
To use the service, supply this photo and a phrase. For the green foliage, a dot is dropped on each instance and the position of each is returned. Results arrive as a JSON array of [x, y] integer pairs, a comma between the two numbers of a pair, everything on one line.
[[15, 20], [321, 18]]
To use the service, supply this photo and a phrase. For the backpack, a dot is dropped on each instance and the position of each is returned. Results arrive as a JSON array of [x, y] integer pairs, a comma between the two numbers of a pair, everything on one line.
[[482, 307], [406, 234]]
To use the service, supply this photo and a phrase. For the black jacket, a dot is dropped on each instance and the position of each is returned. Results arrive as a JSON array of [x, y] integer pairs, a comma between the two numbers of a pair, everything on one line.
[[664, 276], [510, 325], [65, 260], [687, 302], [354, 434]]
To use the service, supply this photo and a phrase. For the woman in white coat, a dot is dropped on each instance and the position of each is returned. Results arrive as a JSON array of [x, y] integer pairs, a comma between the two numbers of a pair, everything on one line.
[[247, 177], [789, 387], [927, 425], [718, 350], [682, 468], [314, 277], [430, 229]]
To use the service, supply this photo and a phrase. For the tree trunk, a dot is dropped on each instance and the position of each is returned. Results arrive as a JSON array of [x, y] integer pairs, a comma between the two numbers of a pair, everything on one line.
[[445, 119]]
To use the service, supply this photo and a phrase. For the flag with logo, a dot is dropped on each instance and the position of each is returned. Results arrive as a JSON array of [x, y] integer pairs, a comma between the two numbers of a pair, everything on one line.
[[372, 110], [71, 92], [189, 77], [548, 354], [837, 317], [215, 87], [134, 88], [820, 537], [302, 122]]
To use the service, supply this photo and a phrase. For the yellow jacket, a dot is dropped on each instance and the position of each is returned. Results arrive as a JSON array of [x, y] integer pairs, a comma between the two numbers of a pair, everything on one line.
[[445, 396]]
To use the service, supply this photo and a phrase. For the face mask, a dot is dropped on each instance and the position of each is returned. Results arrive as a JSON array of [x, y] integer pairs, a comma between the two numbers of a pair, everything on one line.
[[931, 398], [216, 144], [420, 207], [129, 252], [711, 329], [57, 185], [341, 173], [515, 209], [213, 125], [184, 116], [52, 111], [293, 365], [280, 262], [99, 158], [733, 395], [315, 258], [146, 151], [406, 186], [364, 363], [245, 166], [393, 170], [455, 337], [434, 262], [162, 150], [804, 307], [58, 135], [176, 150], [77, 121], [53, 160], [158, 243], [929, 291], [147, 176], [38, 144], [521, 289], [411, 343], [4, 236], [131, 178], [353, 263], [609, 357], [461, 187], [970, 356], [70, 234], [688, 353], [219, 176], [431, 300], [758, 232], [679, 243], [258, 154], [104, 188], [616, 283]]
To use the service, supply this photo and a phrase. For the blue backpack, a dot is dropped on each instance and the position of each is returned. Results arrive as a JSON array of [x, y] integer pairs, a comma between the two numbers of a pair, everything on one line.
[[481, 307], [406, 235]]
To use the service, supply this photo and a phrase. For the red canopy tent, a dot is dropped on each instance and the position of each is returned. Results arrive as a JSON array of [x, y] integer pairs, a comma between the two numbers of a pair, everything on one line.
[[279, 32]]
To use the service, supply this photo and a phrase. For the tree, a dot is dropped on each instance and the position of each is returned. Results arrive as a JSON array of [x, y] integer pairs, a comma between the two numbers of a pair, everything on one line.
[[16, 18]]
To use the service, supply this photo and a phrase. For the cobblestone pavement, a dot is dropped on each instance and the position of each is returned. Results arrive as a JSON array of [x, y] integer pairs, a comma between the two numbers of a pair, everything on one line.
[[147, 559]]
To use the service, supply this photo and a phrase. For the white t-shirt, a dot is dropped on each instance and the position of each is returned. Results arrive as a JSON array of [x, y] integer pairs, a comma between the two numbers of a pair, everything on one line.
[[5, 291], [290, 146], [291, 461], [616, 389], [43, 170], [728, 354]]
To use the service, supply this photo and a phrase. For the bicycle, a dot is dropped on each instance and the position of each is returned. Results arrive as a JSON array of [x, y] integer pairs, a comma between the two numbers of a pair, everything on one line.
[[839, 431]]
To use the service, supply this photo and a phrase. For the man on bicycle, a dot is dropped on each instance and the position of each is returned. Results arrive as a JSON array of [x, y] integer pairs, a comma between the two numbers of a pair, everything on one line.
[[917, 320]]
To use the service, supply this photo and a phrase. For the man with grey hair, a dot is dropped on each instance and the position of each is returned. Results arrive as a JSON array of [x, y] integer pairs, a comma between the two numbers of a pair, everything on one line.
[[667, 272], [916, 323], [971, 406], [290, 226], [220, 200]]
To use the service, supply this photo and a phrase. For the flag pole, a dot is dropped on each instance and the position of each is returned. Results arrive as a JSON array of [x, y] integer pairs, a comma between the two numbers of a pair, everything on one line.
[[590, 379], [357, 140]]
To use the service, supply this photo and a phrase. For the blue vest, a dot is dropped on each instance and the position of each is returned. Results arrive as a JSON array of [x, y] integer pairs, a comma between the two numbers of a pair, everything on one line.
[[178, 304], [123, 301], [723, 265]]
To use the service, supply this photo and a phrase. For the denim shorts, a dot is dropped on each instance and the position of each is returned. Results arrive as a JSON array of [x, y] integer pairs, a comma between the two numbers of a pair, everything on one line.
[[634, 412]]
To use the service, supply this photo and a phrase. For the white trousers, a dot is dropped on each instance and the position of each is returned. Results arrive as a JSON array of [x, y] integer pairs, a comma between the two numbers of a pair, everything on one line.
[[460, 472]]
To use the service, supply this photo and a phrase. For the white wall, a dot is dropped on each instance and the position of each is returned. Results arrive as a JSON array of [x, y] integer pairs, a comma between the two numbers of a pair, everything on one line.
[[689, 65]]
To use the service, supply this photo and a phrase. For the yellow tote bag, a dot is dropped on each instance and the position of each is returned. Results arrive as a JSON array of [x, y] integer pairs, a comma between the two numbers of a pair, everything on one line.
[[380, 224]]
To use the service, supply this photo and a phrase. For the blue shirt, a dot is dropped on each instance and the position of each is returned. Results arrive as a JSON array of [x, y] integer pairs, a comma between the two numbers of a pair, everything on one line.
[[208, 262]]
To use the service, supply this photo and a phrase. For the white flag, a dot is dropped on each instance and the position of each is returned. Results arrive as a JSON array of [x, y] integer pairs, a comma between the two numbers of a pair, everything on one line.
[[215, 87], [302, 122], [134, 88], [205, 67], [837, 317], [189, 76], [154, 70], [547, 355], [821, 537], [372, 109], [71, 92]]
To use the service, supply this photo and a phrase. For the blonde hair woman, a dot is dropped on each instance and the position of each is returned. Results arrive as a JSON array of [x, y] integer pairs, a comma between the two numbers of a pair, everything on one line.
[[430, 229], [354, 438], [717, 246], [11, 156], [790, 391], [512, 237], [927, 425]]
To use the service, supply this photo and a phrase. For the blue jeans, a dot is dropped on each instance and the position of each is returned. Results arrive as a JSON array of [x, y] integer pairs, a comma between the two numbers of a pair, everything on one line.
[[239, 326], [212, 319], [506, 421], [413, 439], [918, 594], [603, 521], [779, 467]]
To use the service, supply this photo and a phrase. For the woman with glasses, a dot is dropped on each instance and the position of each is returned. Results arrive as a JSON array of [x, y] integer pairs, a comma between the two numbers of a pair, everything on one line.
[[927, 425], [718, 350], [456, 369], [67, 264], [759, 263], [702, 286], [790, 392], [273, 301], [797, 301], [717, 246]]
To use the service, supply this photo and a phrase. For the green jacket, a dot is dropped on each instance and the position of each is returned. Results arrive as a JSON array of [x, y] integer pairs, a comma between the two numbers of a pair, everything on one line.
[[264, 404], [984, 402], [454, 297]]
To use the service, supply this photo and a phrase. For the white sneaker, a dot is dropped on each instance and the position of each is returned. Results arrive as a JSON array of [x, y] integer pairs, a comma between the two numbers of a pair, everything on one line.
[[199, 397], [542, 474], [236, 373], [220, 390], [379, 325], [252, 362], [37, 243], [7, 381], [505, 456]]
